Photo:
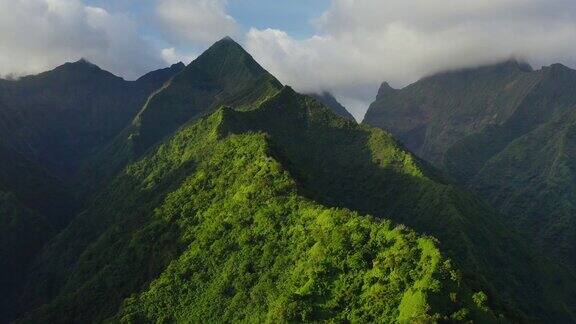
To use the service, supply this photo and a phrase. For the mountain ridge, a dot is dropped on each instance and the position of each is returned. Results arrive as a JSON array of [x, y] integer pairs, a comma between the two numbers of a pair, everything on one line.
[[181, 156], [331, 102], [503, 132], [60, 117]]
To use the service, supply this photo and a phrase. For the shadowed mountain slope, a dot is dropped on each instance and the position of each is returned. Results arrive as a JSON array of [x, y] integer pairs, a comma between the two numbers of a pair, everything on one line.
[[506, 132], [327, 99], [62, 117]]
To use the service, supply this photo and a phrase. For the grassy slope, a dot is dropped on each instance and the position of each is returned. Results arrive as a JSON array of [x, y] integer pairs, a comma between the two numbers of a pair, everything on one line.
[[210, 226], [364, 169]]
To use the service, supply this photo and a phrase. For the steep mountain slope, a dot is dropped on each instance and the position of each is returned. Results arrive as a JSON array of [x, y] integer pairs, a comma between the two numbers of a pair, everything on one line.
[[366, 170], [505, 131], [211, 226], [34, 186], [61, 117], [328, 100], [33, 207], [254, 212], [534, 181], [23, 232], [229, 218], [434, 113], [49, 124], [224, 74], [553, 95]]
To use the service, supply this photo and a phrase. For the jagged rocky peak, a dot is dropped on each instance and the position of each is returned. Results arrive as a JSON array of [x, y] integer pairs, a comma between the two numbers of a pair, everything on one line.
[[385, 88], [178, 65]]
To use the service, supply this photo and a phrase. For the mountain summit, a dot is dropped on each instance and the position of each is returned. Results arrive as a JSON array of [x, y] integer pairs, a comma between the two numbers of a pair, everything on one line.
[[225, 74]]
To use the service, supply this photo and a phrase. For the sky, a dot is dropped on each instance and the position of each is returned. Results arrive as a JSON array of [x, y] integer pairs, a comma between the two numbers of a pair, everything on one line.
[[347, 47]]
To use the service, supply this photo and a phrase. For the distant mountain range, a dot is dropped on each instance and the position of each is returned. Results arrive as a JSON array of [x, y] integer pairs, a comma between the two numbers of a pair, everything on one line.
[[213, 193], [505, 131], [62, 117], [327, 99]]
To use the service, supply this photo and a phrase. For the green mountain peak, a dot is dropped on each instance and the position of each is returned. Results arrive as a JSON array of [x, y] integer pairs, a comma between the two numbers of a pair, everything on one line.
[[224, 75]]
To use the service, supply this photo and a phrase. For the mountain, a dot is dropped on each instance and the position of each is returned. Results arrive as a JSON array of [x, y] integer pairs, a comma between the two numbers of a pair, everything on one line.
[[258, 211], [505, 131], [229, 197], [49, 124], [434, 113], [34, 206], [63, 116], [223, 75], [327, 99], [211, 226]]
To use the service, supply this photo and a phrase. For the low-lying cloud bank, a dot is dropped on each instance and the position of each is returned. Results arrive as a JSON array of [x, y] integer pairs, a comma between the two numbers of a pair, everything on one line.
[[357, 44]]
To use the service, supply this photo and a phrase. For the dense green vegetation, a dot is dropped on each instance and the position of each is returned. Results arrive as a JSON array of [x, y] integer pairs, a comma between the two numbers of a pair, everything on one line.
[[23, 232], [49, 124], [541, 199], [211, 228], [226, 219], [33, 207], [223, 74], [504, 131], [341, 164]]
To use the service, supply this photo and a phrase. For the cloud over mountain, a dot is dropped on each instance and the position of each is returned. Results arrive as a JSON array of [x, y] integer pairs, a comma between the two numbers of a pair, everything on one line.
[[36, 35], [360, 43], [355, 44]]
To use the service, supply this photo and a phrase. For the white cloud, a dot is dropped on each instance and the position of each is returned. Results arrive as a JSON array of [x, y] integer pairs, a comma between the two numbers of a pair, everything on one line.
[[171, 56], [358, 43], [36, 35], [361, 43], [194, 21]]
